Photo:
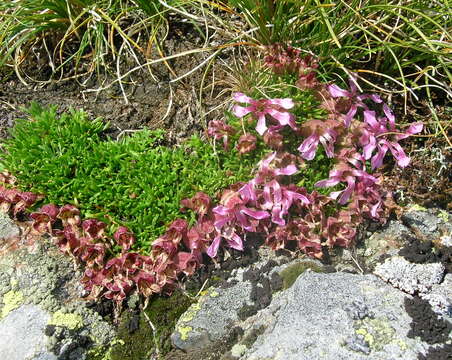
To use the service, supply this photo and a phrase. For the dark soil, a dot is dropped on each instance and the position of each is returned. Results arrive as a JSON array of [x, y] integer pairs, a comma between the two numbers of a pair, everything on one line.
[[426, 181], [152, 100]]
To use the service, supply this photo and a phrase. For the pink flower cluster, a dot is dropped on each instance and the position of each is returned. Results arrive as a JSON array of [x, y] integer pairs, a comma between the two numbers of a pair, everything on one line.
[[115, 276], [357, 128], [288, 60], [12, 200]]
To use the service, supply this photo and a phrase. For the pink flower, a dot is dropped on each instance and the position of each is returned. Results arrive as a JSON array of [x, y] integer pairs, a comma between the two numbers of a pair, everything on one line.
[[375, 137], [94, 229], [344, 173], [318, 131], [219, 130], [273, 139], [186, 262], [246, 143], [69, 214], [200, 203], [274, 165], [44, 218], [278, 199], [355, 98], [275, 108], [233, 212], [124, 238]]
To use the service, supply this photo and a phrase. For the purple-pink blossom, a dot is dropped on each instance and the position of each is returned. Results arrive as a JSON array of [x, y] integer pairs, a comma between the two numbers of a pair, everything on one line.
[[219, 130], [349, 175], [276, 109], [377, 137], [356, 99], [318, 131]]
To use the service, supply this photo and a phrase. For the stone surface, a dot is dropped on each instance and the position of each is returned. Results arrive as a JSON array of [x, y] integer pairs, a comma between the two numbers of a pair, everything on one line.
[[408, 277], [333, 316], [22, 334], [428, 224], [384, 242], [211, 317], [440, 296], [40, 278], [221, 308], [7, 227]]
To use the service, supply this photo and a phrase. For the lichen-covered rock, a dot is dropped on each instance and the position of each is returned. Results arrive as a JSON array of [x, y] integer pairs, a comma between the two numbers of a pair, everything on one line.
[[408, 277], [39, 277], [440, 296], [23, 334], [8, 229], [387, 240], [212, 317], [428, 224], [333, 316], [220, 309]]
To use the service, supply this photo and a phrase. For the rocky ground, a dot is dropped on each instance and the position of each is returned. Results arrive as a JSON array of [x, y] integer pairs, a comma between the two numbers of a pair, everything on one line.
[[388, 298]]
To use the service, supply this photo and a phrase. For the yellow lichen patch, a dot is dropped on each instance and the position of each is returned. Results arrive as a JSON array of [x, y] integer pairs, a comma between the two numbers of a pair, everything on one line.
[[190, 313], [376, 332], [444, 215], [70, 321], [416, 207], [184, 331], [402, 344], [367, 337], [12, 300], [214, 293]]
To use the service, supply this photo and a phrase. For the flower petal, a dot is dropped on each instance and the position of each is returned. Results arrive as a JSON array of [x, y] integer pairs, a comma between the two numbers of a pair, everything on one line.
[[285, 103], [261, 126], [241, 111], [242, 98], [213, 248], [389, 114], [327, 182], [255, 214], [336, 91], [399, 154]]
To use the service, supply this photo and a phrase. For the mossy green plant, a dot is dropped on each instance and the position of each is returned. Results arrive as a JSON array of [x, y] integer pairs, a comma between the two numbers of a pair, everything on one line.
[[163, 313], [291, 273]]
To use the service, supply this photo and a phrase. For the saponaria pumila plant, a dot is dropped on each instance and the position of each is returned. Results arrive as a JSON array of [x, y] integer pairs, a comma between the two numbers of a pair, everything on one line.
[[359, 128]]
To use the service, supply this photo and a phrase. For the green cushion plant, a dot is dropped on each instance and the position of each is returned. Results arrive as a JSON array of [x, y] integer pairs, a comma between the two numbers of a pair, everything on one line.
[[136, 182]]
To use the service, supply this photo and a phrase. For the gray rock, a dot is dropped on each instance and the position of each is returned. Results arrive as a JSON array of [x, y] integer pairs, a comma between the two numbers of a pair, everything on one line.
[[212, 317], [22, 334], [440, 296], [383, 242], [8, 229], [428, 224], [408, 277], [333, 316], [40, 276], [220, 309]]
